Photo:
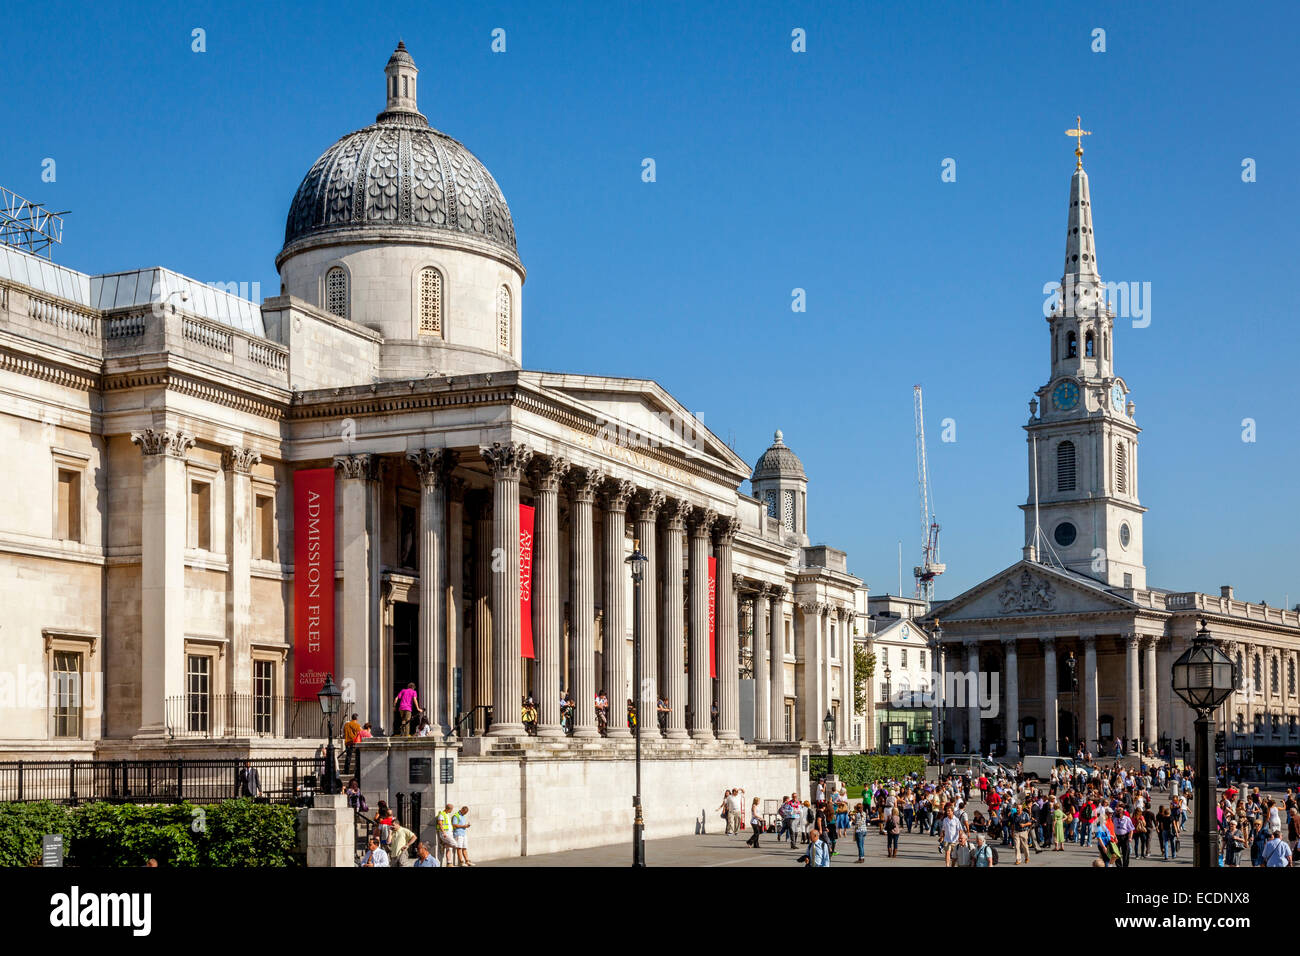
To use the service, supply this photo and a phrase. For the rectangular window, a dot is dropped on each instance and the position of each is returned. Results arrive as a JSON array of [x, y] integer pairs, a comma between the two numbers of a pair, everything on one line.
[[922, 656], [198, 692], [902, 657], [264, 528], [884, 656], [789, 646], [66, 678], [263, 688], [67, 522], [200, 516], [789, 721]]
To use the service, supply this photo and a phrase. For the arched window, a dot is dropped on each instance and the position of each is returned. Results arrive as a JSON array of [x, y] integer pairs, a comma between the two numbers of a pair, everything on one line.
[[1089, 349], [1121, 468], [430, 302], [336, 292], [503, 317], [1065, 466], [1071, 345]]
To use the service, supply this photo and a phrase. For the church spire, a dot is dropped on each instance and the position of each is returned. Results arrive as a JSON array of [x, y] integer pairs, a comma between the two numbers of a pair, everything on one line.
[[1080, 251]]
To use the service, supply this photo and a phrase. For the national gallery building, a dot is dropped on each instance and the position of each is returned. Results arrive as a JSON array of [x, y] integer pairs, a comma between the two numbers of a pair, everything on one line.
[[213, 502]]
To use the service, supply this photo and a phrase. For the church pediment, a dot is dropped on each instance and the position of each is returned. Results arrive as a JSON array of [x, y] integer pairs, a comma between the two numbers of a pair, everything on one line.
[[1026, 589]]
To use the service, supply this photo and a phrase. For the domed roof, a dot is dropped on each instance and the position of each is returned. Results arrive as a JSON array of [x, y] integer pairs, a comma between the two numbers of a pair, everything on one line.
[[778, 462], [400, 178]]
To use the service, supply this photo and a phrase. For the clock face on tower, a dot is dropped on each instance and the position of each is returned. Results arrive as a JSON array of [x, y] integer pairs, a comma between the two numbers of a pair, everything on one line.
[[1117, 396], [1066, 396]]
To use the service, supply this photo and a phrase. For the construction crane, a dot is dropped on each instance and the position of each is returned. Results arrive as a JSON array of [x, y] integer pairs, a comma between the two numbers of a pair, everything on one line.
[[929, 568]]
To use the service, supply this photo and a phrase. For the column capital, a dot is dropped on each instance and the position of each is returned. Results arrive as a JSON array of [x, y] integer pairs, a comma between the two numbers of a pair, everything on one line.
[[779, 591], [765, 590], [1008, 642], [648, 503], [738, 582], [1049, 643], [362, 466], [725, 529], [174, 443], [506, 459], [239, 460], [618, 492], [701, 522], [547, 472], [582, 484], [1149, 640], [431, 465], [810, 607], [1131, 639], [674, 515]]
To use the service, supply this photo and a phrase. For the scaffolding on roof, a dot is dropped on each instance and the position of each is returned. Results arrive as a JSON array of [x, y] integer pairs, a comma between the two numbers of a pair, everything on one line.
[[29, 225]]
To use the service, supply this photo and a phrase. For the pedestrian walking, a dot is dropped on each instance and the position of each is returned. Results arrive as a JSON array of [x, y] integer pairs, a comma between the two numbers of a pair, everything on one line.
[[405, 701], [755, 824], [860, 831], [250, 785]]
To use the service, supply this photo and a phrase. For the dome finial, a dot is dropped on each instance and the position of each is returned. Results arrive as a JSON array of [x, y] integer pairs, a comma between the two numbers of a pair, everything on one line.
[[399, 86], [778, 438]]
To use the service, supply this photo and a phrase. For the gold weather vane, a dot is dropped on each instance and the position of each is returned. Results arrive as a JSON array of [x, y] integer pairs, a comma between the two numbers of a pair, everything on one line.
[[1078, 133]]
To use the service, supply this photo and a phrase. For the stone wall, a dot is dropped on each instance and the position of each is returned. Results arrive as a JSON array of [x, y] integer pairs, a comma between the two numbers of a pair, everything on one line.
[[546, 802]]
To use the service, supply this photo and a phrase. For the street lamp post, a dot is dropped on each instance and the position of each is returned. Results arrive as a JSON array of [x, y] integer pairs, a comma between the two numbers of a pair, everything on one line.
[[1071, 664], [936, 693], [637, 562], [1204, 677], [330, 698], [829, 723]]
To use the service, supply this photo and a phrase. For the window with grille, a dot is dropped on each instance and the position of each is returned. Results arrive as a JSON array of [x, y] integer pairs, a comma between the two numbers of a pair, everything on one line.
[[1121, 468], [921, 655], [789, 721], [336, 292], [66, 677], [430, 302], [787, 510], [263, 688], [198, 692], [770, 498], [503, 317], [1255, 673], [1290, 677], [902, 656], [1065, 466]]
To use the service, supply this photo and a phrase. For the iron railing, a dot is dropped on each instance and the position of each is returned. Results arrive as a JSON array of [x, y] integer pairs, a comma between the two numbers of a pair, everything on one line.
[[291, 780], [243, 715], [474, 722]]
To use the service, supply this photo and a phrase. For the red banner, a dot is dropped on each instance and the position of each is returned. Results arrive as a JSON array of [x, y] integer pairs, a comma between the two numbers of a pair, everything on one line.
[[313, 581], [713, 617], [526, 581]]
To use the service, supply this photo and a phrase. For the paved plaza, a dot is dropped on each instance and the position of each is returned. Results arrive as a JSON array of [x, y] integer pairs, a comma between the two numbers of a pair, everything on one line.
[[717, 849]]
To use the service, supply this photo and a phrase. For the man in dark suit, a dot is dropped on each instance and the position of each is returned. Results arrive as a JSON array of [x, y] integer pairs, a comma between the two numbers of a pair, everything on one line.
[[249, 784]]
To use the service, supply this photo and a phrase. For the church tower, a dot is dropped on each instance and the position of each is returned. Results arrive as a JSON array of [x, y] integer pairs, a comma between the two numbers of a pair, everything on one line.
[[1082, 438]]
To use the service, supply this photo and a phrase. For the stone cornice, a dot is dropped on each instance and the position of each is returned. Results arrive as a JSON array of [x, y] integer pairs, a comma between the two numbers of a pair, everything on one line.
[[267, 406]]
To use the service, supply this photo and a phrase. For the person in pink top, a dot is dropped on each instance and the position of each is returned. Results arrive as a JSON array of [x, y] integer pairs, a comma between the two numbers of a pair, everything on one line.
[[405, 700]]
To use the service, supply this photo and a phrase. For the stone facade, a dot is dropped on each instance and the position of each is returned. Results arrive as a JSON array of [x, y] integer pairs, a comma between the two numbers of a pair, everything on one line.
[[155, 425]]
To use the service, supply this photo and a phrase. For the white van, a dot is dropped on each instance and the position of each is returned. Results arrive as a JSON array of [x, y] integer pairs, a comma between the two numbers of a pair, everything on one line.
[[1040, 768]]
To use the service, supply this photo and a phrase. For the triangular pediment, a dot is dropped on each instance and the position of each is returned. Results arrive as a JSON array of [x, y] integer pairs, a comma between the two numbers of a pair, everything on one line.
[[1027, 588], [640, 414]]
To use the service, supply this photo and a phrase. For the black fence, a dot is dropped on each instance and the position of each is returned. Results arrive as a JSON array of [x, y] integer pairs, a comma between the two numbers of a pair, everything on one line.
[[291, 780], [244, 715]]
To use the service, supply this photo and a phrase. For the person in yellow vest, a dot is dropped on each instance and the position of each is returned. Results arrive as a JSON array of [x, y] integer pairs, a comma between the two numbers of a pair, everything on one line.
[[446, 837]]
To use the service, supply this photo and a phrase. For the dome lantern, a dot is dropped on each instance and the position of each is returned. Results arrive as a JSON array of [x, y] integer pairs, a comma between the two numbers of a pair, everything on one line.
[[399, 85]]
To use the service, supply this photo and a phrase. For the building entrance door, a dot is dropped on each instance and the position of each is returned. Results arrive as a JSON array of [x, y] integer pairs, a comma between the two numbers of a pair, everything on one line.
[[406, 653]]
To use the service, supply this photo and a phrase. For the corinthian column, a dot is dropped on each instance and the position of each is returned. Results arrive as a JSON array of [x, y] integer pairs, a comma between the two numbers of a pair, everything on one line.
[[762, 693], [1150, 734], [673, 680], [506, 461], [1134, 728], [847, 675], [482, 600], [618, 492], [728, 647], [648, 504], [701, 683], [582, 494], [354, 663], [547, 473], [162, 573], [777, 664], [1089, 691], [238, 464], [431, 465], [1049, 695], [1013, 696]]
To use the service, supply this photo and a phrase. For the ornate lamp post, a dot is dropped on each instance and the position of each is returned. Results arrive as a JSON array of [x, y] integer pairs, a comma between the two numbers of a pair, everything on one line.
[[936, 693], [330, 697], [889, 697], [1204, 677], [829, 723], [637, 562], [1071, 664]]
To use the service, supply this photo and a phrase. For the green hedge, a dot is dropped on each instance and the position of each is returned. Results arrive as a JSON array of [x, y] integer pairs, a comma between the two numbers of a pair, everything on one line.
[[858, 770], [234, 833]]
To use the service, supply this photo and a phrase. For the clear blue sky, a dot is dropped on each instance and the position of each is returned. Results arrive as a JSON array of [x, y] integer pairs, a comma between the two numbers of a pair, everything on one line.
[[776, 170]]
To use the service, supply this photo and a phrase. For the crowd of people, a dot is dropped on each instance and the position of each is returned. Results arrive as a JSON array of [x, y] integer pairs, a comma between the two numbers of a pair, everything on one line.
[[389, 843]]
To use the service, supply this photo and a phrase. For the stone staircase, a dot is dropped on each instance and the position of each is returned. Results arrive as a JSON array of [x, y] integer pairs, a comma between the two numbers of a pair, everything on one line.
[[618, 748]]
